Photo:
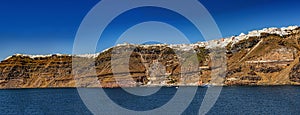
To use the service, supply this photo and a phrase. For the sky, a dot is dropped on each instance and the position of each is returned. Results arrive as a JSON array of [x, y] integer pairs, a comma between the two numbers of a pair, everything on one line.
[[50, 26]]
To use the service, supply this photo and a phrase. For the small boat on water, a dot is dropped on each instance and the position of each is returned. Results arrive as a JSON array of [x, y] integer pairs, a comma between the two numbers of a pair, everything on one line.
[[206, 85], [200, 83]]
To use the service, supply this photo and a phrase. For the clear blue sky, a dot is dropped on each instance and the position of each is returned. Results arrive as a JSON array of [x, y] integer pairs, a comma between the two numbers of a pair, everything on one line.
[[49, 26]]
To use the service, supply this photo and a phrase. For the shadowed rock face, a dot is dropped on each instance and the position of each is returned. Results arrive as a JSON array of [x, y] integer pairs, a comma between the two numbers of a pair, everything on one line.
[[295, 73], [265, 60]]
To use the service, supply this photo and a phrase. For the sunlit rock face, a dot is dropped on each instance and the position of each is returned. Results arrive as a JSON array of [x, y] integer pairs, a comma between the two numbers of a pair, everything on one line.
[[24, 71], [261, 57]]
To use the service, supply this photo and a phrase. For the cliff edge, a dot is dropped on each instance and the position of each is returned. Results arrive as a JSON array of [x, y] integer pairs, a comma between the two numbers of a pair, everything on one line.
[[262, 57]]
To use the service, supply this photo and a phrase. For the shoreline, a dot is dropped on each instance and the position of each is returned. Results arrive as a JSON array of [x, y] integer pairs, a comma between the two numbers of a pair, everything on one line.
[[144, 87]]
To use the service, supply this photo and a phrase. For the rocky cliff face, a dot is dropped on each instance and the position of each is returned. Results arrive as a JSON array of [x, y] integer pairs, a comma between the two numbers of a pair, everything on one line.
[[264, 57], [24, 72], [270, 59]]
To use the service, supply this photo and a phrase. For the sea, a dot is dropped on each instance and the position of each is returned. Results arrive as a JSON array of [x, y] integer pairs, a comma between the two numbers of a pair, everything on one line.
[[231, 100]]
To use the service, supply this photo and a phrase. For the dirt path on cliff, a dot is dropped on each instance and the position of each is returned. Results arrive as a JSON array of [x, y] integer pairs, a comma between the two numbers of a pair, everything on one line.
[[246, 55], [251, 50]]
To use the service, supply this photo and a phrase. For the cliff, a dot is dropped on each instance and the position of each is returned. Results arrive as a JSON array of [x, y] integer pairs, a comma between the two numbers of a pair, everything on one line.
[[261, 57]]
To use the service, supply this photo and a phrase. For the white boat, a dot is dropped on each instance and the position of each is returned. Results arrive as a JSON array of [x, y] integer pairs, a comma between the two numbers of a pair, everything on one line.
[[206, 85]]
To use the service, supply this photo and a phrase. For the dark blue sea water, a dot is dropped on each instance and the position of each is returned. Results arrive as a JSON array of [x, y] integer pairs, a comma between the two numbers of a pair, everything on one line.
[[232, 100]]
